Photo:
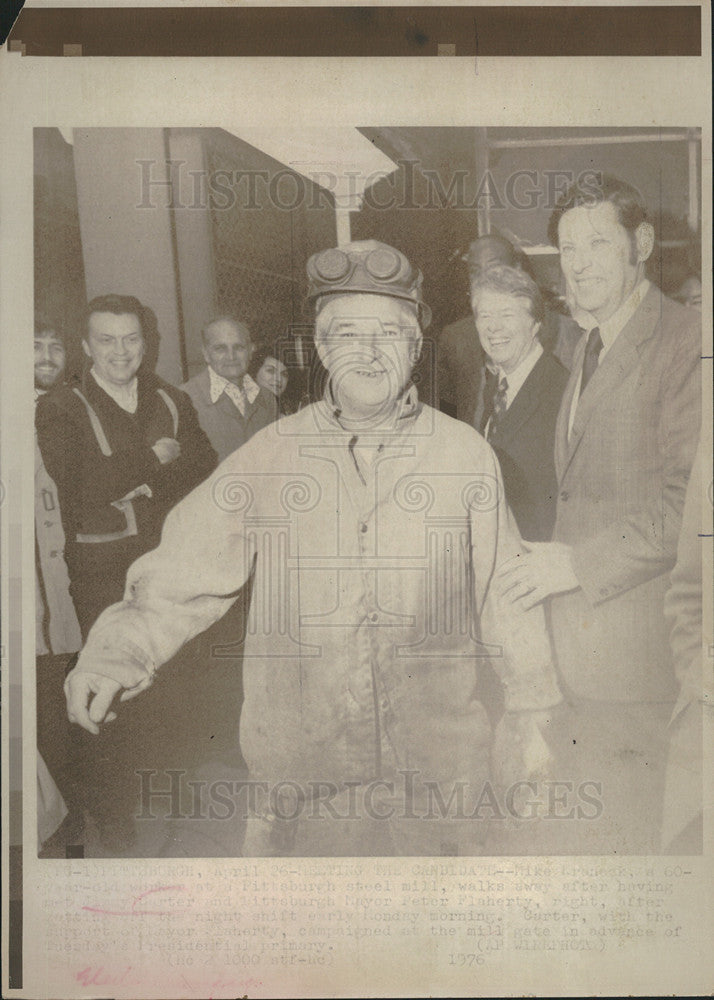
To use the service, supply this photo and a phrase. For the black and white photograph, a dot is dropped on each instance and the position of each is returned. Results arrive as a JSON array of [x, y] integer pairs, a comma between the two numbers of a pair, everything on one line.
[[356, 500], [362, 461]]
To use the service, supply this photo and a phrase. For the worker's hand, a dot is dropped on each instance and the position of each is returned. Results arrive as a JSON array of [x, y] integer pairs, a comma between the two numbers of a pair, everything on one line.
[[543, 569], [167, 450], [88, 699]]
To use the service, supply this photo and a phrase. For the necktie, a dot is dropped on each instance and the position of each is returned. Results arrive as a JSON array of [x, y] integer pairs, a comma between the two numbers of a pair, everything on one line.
[[500, 399], [592, 356], [490, 384]]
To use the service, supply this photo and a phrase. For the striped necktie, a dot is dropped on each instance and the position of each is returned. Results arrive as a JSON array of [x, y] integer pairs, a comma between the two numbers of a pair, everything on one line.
[[500, 400]]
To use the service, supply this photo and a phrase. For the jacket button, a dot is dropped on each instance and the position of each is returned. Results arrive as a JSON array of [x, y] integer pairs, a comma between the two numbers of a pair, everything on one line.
[[374, 616], [363, 527], [564, 496]]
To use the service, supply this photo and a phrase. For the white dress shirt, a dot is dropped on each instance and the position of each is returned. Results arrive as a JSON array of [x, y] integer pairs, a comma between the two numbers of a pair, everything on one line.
[[518, 376]]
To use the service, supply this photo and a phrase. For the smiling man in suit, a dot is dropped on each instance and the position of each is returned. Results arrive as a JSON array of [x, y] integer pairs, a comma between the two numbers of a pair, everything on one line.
[[523, 389], [460, 355], [625, 442], [231, 407]]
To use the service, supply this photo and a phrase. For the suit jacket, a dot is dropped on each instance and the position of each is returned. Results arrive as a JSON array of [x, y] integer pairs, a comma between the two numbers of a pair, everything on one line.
[[622, 477], [222, 421], [524, 443], [461, 358], [695, 704]]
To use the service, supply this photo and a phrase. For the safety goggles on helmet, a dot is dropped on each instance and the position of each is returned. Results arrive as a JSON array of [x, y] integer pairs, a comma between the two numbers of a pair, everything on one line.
[[370, 267]]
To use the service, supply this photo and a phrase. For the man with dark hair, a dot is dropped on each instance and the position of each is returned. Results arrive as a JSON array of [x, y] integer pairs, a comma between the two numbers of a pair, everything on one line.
[[595, 189], [231, 407], [361, 670], [523, 389], [123, 447], [625, 441]]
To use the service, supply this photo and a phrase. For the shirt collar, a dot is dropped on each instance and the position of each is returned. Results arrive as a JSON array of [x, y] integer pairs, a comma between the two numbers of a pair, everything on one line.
[[217, 386], [613, 327], [125, 396], [407, 409], [522, 370]]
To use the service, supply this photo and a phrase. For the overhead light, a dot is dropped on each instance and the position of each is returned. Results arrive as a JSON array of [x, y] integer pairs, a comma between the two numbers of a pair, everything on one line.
[[341, 160]]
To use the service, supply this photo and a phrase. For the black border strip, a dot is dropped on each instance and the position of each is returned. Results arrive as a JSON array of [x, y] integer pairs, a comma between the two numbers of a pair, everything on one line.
[[674, 30]]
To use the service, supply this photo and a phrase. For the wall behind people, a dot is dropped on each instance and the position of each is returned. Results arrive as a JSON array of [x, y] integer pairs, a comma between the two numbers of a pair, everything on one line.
[[168, 215], [59, 268], [264, 224], [658, 169], [128, 249]]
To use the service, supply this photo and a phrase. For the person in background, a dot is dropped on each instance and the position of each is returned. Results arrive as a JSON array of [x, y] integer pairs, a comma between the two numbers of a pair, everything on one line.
[[57, 633], [270, 373], [57, 626], [522, 393], [123, 447], [363, 680], [462, 365], [625, 442], [460, 356], [231, 407]]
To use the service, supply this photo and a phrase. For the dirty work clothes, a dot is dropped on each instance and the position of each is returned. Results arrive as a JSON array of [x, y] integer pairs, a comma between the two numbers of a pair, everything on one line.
[[371, 609]]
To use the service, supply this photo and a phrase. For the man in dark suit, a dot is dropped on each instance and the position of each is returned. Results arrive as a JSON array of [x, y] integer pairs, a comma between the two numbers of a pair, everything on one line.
[[625, 441], [523, 389], [460, 357], [231, 407], [461, 375]]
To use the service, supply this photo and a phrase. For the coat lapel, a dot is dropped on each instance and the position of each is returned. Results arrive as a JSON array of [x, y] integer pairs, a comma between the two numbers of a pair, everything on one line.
[[525, 403], [204, 386], [616, 365], [227, 406]]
